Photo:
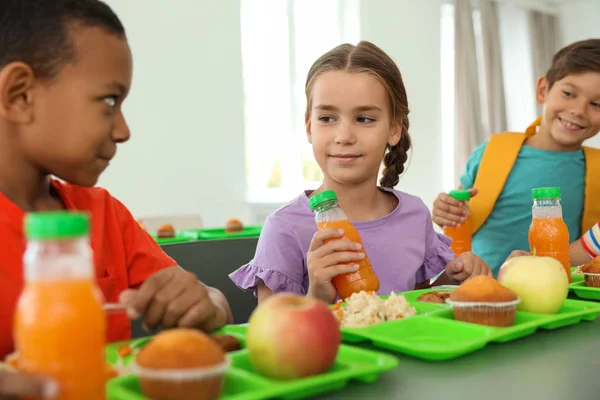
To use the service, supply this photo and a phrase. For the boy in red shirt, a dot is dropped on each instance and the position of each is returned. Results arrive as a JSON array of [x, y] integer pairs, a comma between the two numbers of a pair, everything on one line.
[[65, 70]]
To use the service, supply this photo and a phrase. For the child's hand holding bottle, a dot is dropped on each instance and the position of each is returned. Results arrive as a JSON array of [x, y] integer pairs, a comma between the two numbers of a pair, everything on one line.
[[448, 211], [325, 260]]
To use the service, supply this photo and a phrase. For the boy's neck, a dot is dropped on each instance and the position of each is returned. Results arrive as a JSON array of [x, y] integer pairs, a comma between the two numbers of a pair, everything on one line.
[[362, 202], [23, 184], [543, 140]]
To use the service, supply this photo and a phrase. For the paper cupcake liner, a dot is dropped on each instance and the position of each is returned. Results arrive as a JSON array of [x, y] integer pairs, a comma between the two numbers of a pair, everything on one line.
[[483, 313], [591, 279], [464, 304], [188, 374]]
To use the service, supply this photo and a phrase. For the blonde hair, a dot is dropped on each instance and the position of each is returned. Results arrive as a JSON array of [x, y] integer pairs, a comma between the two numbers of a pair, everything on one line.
[[367, 57]]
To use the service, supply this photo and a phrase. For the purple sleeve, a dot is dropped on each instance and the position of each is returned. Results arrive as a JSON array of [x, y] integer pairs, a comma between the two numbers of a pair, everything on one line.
[[278, 261], [437, 253]]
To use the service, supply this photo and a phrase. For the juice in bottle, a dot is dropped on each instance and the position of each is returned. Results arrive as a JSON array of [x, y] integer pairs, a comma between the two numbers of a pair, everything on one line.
[[460, 234], [60, 325], [328, 214], [548, 233]]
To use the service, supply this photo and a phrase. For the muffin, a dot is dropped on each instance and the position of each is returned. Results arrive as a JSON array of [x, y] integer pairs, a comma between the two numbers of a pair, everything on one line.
[[591, 273], [483, 300], [234, 225], [181, 364], [165, 231]]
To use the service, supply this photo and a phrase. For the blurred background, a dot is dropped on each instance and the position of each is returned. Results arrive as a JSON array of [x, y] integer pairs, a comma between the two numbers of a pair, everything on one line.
[[217, 103]]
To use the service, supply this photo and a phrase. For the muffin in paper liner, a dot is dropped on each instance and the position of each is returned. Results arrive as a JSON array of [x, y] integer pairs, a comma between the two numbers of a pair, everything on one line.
[[591, 279], [591, 272], [496, 314], [203, 383]]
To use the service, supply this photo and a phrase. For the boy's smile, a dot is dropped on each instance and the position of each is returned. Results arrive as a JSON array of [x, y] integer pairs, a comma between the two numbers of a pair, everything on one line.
[[571, 111]]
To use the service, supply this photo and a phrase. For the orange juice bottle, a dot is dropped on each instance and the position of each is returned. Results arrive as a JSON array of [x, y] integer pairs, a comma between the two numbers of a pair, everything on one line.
[[60, 325], [328, 214], [461, 234], [548, 233]]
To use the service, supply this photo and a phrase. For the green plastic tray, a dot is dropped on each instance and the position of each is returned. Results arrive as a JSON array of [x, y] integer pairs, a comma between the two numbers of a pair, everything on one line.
[[585, 292], [434, 334], [242, 382], [219, 233], [178, 238], [576, 277]]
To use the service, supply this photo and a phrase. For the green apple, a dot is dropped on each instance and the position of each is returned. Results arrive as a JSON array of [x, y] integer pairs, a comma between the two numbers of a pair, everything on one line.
[[292, 336], [540, 282]]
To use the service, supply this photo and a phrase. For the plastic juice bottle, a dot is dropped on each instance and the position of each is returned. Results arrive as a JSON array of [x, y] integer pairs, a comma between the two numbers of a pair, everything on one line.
[[60, 324], [548, 233], [461, 234], [328, 214]]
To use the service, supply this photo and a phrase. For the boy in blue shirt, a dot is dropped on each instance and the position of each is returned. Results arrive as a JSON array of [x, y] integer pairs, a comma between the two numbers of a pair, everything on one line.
[[553, 156]]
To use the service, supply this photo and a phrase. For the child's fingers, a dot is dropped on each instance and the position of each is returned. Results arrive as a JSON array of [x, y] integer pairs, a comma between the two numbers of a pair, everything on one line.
[[22, 385], [473, 192], [199, 316], [321, 236], [340, 269], [444, 198], [457, 270], [335, 246], [157, 309], [341, 257], [147, 291], [444, 218], [453, 207]]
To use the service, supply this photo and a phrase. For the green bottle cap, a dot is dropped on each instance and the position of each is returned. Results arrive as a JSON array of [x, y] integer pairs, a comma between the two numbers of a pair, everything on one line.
[[320, 198], [546, 193], [56, 225], [461, 195]]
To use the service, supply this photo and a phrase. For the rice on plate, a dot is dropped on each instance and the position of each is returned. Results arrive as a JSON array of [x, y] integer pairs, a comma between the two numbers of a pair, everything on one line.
[[366, 308]]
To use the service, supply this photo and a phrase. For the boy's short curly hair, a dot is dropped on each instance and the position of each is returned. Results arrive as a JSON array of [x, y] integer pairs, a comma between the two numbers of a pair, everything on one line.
[[37, 32]]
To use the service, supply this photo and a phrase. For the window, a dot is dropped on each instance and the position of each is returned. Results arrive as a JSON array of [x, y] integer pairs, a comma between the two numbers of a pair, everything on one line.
[[280, 41], [519, 82]]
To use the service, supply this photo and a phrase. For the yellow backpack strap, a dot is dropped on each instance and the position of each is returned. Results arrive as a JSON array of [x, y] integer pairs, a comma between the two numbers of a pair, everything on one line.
[[591, 202], [496, 163]]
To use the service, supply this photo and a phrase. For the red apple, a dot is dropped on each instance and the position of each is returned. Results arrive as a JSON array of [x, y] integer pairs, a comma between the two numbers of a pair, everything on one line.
[[292, 336]]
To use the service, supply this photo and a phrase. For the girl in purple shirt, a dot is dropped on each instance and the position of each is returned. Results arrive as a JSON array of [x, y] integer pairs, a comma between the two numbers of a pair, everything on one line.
[[356, 118]]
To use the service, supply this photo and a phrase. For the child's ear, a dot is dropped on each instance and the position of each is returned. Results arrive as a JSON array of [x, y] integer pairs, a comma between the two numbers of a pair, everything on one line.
[[308, 126], [16, 97], [541, 90], [395, 133]]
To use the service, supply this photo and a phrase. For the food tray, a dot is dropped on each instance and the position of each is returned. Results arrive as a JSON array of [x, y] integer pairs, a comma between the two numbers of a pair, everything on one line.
[[242, 382], [219, 233], [178, 238], [434, 334], [576, 277], [585, 292]]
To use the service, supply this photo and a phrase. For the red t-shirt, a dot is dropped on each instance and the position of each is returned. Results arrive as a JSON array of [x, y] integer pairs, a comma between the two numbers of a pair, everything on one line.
[[124, 254]]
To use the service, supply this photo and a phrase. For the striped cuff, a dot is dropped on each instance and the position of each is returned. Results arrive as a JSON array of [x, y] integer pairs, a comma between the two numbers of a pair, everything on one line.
[[591, 241]]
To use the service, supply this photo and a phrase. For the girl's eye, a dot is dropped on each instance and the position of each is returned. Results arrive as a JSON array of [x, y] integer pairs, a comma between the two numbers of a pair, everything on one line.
[[596, 104], [365, 120], [567, 93], [111, 101], [326, 119]]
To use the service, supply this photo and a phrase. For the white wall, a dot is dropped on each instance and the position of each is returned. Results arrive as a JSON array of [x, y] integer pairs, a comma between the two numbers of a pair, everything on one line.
[[580, 20], [409, 31], [186, 154], [186, 106]]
